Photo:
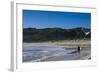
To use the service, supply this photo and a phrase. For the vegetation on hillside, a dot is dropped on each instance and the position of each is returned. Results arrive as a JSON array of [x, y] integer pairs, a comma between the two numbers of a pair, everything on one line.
[[55, 34]]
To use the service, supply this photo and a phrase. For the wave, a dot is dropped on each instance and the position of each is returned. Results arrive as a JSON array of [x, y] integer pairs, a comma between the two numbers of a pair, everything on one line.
[[38, 54]]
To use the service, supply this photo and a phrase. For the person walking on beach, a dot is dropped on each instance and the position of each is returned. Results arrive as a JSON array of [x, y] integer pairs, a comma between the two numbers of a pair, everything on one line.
[[78, 49]]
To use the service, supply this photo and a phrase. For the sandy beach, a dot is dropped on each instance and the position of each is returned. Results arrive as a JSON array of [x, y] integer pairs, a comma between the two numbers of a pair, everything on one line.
[[66, 44]]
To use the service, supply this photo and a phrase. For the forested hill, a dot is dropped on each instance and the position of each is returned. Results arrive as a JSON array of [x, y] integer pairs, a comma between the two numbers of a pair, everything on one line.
[[55, 34]]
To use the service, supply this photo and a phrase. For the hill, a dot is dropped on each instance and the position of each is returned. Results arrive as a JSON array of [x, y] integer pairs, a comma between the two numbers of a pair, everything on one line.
[[55, 34]]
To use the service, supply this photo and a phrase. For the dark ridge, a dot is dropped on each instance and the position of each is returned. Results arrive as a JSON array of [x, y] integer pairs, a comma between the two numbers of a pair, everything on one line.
[[55, 34]]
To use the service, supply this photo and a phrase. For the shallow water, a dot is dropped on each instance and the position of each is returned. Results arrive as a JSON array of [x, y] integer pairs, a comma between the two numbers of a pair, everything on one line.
[[38, 54]]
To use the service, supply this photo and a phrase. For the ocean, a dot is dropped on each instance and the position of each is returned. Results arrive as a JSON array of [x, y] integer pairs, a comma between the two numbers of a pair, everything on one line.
[[40, 54]]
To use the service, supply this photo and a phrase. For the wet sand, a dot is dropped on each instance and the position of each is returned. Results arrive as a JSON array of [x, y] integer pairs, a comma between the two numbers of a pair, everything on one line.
[[65, 44], [84, 54]]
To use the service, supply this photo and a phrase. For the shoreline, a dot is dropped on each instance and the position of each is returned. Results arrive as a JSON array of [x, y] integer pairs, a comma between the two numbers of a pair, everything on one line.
[[85, 53], [85, 44]]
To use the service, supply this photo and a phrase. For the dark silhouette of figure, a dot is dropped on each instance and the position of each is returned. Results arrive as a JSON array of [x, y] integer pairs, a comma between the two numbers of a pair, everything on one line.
[[78, 49]]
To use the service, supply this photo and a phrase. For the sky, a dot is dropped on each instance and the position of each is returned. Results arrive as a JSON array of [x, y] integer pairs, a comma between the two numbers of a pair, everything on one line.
[[51, 19]]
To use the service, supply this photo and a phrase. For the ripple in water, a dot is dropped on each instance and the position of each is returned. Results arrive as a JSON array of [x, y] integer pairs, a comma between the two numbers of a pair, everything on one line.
[[37, 54]]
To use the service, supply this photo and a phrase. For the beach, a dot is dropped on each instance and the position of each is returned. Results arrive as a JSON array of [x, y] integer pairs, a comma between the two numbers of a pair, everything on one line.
[[65, 43], [56, 50]]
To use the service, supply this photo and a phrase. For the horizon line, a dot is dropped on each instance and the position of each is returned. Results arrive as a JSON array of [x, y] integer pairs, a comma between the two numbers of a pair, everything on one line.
[[57, 27]]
